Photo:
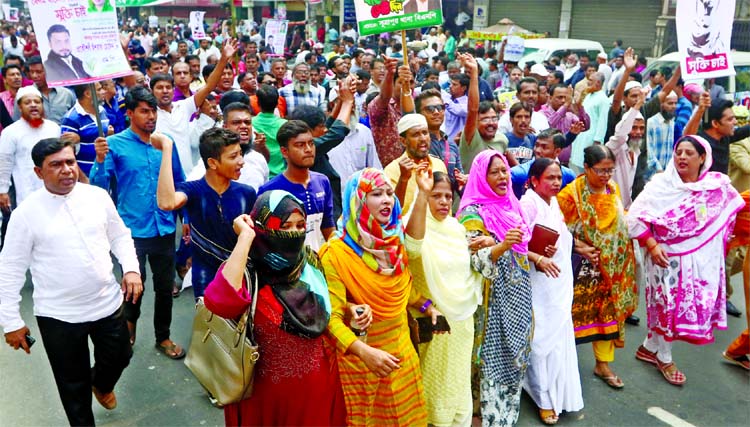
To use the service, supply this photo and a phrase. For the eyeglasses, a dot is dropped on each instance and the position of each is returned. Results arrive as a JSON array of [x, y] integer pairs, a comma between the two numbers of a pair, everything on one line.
[[604, 172], [489, 120], [433, 108]]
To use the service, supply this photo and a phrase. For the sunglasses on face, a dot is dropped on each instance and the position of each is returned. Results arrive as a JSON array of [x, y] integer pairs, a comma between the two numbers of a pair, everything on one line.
[[434, 108]]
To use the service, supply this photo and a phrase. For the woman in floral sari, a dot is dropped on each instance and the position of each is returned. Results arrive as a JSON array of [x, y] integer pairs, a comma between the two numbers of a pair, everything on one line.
[[499, 234], [684, 218], [605, 291]]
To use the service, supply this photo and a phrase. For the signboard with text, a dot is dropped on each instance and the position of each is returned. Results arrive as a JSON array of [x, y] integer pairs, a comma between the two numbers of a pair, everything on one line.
[[704, 33]]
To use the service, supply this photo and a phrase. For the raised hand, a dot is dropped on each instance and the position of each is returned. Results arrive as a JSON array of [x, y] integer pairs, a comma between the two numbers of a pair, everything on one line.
[[159, 141], [424, 177], [229, 48], [243, 224], [630, 59]]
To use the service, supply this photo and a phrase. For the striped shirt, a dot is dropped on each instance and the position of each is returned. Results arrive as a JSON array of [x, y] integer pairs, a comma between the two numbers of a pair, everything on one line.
[[314, 97], [660, 143], [78, 121]]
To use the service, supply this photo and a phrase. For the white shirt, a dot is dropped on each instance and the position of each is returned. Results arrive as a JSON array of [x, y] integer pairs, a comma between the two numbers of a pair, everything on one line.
[[356, 152], [253, 173], [177, 125], [16, 142], [607, 71], [65, 241], [625, 165], [204, 54], [301, 57], [351, 33], [538, 122]]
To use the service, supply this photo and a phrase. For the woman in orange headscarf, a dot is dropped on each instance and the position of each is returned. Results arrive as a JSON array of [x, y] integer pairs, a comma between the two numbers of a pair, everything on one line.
[[365, 265]]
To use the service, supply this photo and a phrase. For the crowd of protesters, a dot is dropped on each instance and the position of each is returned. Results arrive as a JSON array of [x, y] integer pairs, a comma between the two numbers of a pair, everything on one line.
[[366, 191]]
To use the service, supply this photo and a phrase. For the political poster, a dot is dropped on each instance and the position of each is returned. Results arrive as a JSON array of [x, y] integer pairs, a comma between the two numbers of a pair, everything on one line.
[[196, 24], [704, 33], [12, 15], [78, 40], [481, 13], [381, 16], [276, 30]]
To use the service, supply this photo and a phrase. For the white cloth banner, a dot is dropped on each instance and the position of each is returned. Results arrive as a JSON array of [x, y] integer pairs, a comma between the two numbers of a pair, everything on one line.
[[79, 41], [196, 24], [276, 36], [704, 33]]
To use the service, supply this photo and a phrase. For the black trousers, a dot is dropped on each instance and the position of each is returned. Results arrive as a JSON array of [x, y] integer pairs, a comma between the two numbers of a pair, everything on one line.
[[67, 348], [160, 253]]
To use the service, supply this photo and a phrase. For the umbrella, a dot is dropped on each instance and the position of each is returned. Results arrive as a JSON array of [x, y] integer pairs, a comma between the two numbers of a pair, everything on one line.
[[503, 26]]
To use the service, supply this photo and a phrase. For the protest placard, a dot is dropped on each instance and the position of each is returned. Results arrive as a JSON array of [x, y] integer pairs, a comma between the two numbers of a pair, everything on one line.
[[276, 36], [12, 15], [78, 40], [704, 33], [382, 16], [196, 24]]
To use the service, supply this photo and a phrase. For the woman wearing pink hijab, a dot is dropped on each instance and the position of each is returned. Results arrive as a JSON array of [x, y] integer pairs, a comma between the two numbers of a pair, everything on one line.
[[498, 234]]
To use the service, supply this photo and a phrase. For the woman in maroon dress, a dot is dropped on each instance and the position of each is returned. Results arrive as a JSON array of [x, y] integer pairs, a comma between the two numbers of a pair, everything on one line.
[[296, 378]]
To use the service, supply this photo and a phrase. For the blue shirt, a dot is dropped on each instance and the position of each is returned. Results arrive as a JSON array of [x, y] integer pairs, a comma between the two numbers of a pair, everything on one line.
[[447, 151], [116, 113], [135, 165], [211, 217], [521, 148], [80, 122], [316, 198], [682, 116], [519, 176]]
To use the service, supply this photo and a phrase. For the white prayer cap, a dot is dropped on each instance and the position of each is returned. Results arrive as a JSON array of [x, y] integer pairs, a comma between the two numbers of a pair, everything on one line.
[[409, 121], [631, 84], [602, 55], [672, 94], [26, 91], [539, 70]]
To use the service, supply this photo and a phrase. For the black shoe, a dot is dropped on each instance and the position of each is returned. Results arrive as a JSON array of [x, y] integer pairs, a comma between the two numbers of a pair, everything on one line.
[[732, 310], [633, 320]]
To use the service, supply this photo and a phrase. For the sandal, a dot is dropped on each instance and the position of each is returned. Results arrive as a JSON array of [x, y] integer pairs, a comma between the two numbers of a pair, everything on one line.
[[548, 416], [612, 380], [741, 361], [172, 351], [644, 355], [671, 373]]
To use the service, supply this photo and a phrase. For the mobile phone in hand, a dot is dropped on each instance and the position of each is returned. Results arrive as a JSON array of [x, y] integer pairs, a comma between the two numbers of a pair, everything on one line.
[[30, 341]]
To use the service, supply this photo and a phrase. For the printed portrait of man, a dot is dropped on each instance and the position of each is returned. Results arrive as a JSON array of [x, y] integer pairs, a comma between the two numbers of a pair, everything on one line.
[[60, 63]]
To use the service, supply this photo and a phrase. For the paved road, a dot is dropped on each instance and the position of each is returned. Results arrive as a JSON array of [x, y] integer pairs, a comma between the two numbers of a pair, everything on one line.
[[156, 391]]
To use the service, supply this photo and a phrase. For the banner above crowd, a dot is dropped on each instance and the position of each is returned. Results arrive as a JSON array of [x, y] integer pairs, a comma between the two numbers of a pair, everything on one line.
[[78, 40], [139, 3], [382, 16], [704, 34]]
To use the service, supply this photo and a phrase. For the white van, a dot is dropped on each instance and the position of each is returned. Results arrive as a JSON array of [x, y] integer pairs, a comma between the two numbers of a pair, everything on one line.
[[540, 50], [737, 87]]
